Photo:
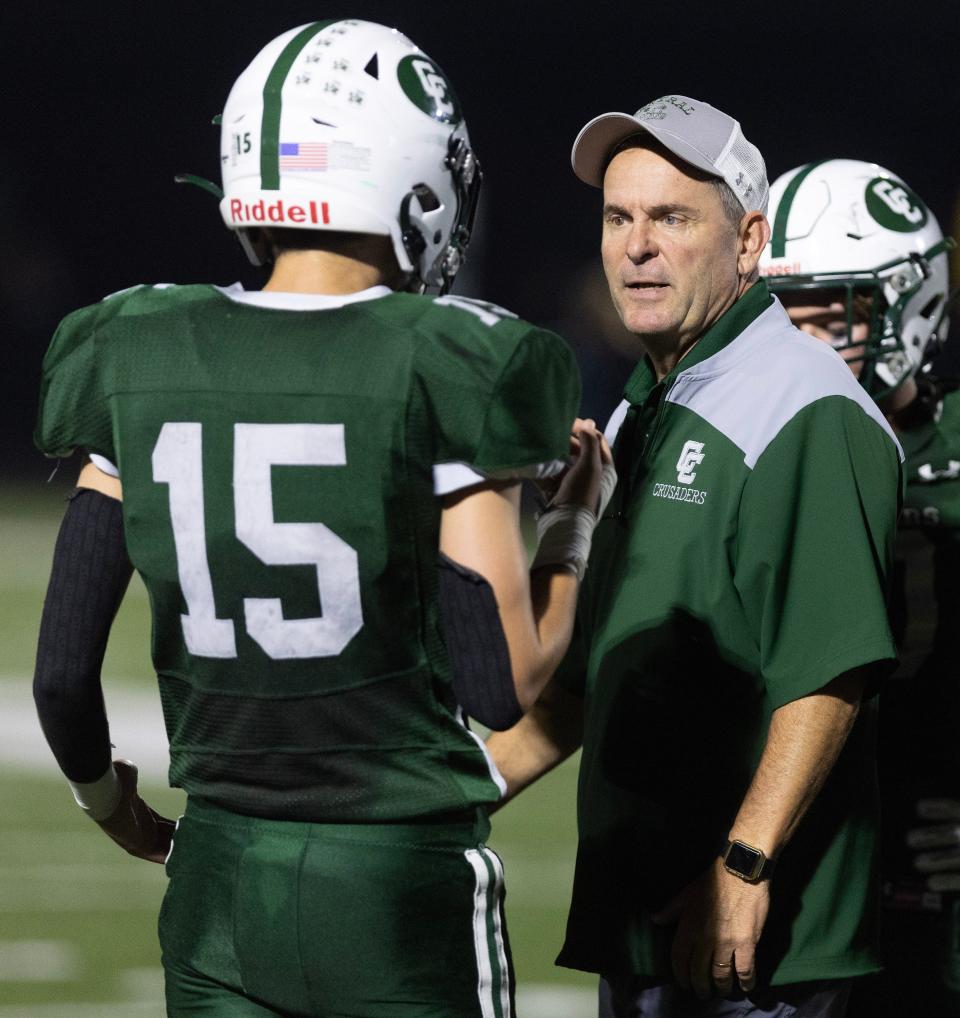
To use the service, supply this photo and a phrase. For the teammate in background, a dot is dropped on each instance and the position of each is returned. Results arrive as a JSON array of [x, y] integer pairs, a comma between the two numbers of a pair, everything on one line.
[[859, 261], [296, 463]]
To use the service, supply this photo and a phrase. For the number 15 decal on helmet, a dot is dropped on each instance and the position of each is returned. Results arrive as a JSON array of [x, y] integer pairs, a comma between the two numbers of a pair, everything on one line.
[[348, 126]]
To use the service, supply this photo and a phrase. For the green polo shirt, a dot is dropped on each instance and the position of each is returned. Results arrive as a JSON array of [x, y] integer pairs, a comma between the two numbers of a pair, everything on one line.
[[741, 565]]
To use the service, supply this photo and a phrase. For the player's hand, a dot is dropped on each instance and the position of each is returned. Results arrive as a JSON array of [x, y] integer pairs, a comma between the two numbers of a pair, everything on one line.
[[721, 918], [581, 483], [937, 844], [133, 825]]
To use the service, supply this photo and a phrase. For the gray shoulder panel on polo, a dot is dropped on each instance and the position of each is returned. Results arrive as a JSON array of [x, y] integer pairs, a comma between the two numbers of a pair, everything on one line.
[[761, 380], [616, 420]]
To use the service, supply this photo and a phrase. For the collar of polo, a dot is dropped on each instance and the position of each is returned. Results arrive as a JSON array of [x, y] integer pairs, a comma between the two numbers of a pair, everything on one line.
[[723, 331]]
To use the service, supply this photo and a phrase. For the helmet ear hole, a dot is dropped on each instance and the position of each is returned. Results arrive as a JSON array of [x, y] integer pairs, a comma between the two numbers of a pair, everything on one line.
[[427, 197], [410, 234], [928, 309]]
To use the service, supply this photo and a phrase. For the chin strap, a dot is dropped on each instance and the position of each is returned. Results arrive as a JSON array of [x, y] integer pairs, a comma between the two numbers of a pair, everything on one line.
[[938, 337], [202, 182], [206, 185], [467, 177], [250, 246]]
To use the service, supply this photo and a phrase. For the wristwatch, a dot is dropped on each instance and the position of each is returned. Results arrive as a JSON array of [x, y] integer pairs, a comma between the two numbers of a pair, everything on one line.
[[746, 862]]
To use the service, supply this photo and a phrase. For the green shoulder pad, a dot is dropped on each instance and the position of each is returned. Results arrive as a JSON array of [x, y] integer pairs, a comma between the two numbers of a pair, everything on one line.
[[73, 410], [80, 369], [502, 392]]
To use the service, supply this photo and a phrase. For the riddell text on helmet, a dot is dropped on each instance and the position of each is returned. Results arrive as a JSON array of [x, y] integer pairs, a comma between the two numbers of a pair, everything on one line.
[[279, 211]]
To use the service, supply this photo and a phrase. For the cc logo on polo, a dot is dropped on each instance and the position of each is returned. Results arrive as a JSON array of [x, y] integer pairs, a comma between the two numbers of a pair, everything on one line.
[[691, 457]]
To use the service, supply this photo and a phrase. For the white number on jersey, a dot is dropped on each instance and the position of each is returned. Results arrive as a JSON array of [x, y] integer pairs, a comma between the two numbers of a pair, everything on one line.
[[488, 313], [178, 462]]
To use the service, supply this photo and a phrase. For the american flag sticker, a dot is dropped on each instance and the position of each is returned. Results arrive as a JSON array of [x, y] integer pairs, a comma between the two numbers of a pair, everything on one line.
[[302, 155]]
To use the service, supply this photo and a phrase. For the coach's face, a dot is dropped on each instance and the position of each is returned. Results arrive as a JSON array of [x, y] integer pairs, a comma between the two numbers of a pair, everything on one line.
[[670, 254]]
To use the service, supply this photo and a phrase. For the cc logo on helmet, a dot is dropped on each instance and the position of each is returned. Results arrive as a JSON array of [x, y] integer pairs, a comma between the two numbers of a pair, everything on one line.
[[427, 88], [434, 85], [894, 205]]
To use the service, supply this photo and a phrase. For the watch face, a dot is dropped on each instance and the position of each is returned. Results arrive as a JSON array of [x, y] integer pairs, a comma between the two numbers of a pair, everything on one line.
[[744, 860]]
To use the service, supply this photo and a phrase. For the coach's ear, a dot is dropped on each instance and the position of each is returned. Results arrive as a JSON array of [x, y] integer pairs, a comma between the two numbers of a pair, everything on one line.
[[753, 234]]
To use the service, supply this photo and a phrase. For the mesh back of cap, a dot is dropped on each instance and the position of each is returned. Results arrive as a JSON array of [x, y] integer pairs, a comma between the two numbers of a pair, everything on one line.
[[744, 170]]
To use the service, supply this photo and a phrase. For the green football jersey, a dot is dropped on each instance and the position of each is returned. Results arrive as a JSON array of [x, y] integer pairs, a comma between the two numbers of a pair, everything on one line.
[[932, 468], [925, 608], [280, 458]]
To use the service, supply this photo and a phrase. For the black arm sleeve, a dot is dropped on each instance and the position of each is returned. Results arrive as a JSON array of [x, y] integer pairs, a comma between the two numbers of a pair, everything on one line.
[[477, 647], [90, 573]]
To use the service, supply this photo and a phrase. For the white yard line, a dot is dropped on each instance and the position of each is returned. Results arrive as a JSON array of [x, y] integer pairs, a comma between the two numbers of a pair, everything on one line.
[[547, 1000], [136, 727], [39, 961], [142, 983]]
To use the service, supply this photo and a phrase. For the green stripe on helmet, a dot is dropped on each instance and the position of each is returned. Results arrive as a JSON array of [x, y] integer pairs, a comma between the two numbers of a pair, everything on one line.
[[272, 103], [778, 242]]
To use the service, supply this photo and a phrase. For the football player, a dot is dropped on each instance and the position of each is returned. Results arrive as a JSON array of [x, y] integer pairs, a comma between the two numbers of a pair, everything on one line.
[[859, 261], [319, 484]]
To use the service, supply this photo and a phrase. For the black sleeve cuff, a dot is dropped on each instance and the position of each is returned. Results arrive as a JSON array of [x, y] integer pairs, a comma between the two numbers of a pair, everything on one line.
[[477, 647]]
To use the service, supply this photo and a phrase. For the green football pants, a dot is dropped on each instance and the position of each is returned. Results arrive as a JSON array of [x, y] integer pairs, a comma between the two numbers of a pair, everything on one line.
[[267, 918]]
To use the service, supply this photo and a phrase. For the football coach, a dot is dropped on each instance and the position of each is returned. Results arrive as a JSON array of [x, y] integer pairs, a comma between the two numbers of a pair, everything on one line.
[[732, 626]]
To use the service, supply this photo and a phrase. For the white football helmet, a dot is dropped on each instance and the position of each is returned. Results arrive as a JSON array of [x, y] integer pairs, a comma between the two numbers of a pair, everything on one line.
[[855, 229], [347, 125]]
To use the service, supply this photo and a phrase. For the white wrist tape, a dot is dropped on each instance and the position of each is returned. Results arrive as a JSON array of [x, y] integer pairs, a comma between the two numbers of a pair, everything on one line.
[[565, 533], [98, 799], [608, 481]]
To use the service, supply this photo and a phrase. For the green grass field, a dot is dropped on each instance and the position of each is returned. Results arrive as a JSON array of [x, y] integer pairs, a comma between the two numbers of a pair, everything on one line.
[[78, 916]]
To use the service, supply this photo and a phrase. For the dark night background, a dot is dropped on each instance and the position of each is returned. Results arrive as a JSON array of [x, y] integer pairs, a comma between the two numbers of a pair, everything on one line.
[[102, 103]]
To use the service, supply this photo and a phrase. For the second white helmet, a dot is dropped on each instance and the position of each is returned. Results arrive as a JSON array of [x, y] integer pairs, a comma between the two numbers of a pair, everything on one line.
[[347, 125], [856, 229]]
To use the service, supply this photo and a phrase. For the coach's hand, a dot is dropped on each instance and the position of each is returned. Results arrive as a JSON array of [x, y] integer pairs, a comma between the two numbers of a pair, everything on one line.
[[133, 825], [721, 918]]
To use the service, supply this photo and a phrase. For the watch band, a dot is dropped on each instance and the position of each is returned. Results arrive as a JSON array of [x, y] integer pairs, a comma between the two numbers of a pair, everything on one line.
[[746, 862]]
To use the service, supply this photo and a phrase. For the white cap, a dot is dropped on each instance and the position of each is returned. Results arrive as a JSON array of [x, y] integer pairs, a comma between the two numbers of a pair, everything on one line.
[[695, 131]]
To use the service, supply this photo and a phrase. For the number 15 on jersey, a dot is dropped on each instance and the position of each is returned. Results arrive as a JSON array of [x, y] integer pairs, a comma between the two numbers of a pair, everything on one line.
[[178, 462]]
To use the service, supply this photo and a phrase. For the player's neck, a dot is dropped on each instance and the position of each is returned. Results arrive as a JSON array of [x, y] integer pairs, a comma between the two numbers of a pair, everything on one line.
[[326, 272]]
